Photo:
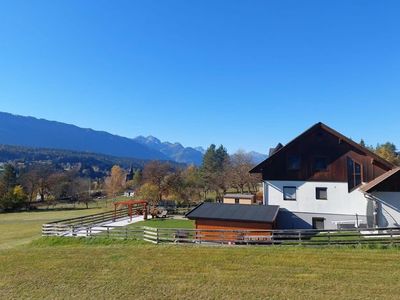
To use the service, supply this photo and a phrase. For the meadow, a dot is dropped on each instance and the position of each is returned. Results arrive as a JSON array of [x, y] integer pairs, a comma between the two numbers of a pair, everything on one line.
[[22, 227], [65, 268]]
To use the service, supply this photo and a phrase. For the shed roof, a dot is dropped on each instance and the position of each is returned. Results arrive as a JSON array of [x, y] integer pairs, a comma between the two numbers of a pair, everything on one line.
[[242, 196], [234, 212], [372, 185]]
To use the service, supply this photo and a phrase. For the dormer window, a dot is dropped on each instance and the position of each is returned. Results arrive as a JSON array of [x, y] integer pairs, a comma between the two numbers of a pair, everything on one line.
[[293, 162], [321, 163]]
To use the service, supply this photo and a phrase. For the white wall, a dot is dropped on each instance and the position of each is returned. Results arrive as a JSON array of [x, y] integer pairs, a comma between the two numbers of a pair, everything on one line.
[[388, 208], [339, 201]]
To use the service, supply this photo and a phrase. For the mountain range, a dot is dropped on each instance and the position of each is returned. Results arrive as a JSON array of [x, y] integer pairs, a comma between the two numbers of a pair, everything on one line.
[[41, 133]]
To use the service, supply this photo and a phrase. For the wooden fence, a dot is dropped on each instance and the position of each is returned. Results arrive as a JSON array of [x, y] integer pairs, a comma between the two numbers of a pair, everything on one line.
[[86, 223], [386, 236]]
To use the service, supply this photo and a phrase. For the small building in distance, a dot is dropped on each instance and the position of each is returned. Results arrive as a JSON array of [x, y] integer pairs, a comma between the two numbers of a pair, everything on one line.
[[239, 199], [129, 193]]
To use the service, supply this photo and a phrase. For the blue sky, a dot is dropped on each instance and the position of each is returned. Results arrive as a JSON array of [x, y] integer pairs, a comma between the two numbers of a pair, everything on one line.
[[247, 74]]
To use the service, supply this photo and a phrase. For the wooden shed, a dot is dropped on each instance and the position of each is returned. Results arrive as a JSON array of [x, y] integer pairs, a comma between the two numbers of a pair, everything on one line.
[[239, 199], [240, 217]]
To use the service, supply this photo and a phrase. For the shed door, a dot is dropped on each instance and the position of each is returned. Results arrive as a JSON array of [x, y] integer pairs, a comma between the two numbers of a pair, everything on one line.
[[318, 223]]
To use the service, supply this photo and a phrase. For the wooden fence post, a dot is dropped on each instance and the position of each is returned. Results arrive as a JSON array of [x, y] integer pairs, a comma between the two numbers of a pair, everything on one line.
[[157, 237]]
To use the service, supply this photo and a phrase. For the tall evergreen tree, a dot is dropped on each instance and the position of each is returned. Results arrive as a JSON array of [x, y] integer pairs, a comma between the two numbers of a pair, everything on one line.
[[9, 178], [214, 170]]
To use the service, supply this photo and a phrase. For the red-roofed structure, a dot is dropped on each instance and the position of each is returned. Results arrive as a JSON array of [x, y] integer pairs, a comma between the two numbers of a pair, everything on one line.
[[132, 205]]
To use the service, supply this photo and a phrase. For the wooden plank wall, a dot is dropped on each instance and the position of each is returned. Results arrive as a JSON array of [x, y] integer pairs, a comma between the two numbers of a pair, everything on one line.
[[321, 144]]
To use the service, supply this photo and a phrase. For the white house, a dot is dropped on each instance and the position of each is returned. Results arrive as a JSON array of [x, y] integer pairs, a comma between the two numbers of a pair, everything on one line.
[[325, 180]]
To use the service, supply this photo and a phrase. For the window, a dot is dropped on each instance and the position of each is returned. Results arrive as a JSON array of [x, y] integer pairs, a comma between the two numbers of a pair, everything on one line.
[[293, 162], [318, 223], [289, 193], [354, 174], [321, 164], [321, 193]]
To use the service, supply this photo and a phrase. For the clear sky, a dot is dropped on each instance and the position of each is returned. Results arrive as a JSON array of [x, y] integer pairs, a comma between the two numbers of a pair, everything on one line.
[[247, 74]]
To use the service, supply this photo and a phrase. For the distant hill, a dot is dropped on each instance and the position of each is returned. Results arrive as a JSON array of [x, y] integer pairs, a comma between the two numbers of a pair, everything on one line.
[[39, 133], [187, 155], [175, 151], [88, 164], [258, 157], [32, 132]]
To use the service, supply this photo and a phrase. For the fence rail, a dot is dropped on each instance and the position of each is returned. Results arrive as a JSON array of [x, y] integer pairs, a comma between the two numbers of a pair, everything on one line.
[[94, 218], [234, 237]]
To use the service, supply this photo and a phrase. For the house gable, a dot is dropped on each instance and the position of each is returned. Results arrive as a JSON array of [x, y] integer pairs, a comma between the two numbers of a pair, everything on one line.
[[321, 154]]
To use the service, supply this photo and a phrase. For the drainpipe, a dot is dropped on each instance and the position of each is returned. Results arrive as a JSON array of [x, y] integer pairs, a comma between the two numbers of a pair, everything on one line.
[[263, 191]]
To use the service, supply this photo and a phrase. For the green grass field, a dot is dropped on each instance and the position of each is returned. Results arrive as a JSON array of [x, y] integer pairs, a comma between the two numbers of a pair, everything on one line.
[[66, 268], [129, 270], [165, 223], [21, 228]]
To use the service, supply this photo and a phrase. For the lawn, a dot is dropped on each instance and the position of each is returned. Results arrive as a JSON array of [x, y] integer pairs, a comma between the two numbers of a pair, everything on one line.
[[53, 268], [166, 223], [139, 271], [21, 228]]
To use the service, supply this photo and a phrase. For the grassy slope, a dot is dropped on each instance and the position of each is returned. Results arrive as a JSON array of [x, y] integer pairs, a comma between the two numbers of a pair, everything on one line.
[[154, 272], [95, 268], [21, 228]]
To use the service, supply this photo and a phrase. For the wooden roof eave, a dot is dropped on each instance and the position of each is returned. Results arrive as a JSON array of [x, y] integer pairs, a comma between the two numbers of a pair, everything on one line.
[[367, 188], [341, 137]]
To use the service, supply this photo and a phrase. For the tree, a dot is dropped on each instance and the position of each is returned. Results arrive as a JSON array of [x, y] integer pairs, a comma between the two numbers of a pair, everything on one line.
[[43, 174], [174, 186], [155, 172], [240, 177], [59, 186], [30, 183], [115, 182], [12, 196], [214, 170], [363, 144], [81, 190], [388, 151], [137, 178], [193, 184], [150, 193], [14, 199], [9, 178]]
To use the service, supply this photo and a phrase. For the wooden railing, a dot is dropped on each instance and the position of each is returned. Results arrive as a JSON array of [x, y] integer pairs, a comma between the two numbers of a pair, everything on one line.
[[233, 237], [275, 237], [73, 225]]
